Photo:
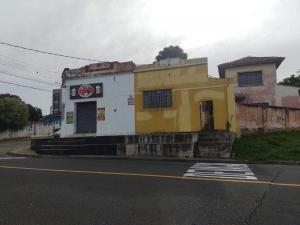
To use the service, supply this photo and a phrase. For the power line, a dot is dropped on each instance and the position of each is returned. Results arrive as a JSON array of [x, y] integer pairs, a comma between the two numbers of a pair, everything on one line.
[[49, 53], [25, 70], [40, 89], [24, 64], [27, 78]]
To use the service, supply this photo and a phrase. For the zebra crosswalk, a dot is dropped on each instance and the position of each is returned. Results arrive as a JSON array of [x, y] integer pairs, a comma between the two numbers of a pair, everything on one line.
[[221, 170]]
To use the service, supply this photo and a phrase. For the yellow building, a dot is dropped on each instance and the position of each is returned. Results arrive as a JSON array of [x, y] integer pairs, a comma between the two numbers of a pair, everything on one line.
[[176, 95]]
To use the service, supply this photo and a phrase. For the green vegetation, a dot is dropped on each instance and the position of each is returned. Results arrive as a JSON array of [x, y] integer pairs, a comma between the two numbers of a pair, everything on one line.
[[291, 81], [268, 146], [13, 113], [34, 113], [171, 52]]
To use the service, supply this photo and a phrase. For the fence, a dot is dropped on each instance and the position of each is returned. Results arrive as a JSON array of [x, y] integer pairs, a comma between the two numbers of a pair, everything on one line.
[[253, 118], [31, 130]]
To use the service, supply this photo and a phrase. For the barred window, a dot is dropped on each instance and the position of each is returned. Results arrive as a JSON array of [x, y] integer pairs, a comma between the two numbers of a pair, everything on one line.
[[157, 99]]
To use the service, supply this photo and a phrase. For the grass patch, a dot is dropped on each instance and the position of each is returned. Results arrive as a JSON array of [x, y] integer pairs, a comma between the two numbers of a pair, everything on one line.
[[268, 146]]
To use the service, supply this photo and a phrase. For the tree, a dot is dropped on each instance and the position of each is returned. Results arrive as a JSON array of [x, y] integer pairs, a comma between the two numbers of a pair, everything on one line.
[[13, 113], [171, 52], [34, 113], [9, 95], [291, 81]]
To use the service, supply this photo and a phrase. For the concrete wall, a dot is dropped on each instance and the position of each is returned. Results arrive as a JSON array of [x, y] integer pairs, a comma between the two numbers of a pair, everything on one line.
[[287, 96], [119, 115], [31, 130], [256, 94], [190, 85], [253, 119]]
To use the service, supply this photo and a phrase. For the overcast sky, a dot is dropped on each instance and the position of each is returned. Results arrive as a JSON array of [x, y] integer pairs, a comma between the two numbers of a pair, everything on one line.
[[125, 30]]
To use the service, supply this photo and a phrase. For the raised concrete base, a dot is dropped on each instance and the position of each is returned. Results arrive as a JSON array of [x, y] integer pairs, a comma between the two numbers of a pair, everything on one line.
[[214, 144]]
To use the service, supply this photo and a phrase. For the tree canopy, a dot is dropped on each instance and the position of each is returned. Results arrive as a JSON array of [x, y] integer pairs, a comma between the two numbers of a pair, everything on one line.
[[34, 113], [293, 80], [9, 95], [171, 52], [13, 113]]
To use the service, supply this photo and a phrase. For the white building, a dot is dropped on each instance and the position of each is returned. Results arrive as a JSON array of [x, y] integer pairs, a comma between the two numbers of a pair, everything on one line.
[[98, 100]]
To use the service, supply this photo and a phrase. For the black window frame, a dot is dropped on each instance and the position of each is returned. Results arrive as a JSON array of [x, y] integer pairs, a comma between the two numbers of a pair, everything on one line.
[[157, 99], [249, 82]]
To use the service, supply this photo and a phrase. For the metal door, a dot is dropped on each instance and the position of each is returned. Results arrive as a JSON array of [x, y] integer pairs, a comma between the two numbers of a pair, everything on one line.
[[86, 117]]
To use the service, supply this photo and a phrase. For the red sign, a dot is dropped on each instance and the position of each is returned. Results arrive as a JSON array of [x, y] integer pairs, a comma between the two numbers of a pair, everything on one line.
[[86, 91]]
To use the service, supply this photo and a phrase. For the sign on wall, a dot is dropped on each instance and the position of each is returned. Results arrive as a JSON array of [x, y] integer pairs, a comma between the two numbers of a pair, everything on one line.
[[130, 100], [69, 117], [101, 114], [86, 91]]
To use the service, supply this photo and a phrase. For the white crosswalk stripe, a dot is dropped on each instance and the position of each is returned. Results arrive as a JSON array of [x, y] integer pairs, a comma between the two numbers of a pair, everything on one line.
[[7, 158], [221, 170]]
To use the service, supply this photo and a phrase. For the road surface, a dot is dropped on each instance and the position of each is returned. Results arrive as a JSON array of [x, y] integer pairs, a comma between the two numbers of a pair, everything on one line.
[[88, 191]]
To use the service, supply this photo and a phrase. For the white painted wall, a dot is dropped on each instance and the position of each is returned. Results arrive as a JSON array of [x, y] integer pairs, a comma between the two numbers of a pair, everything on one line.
[[119, 116], [31, 130]]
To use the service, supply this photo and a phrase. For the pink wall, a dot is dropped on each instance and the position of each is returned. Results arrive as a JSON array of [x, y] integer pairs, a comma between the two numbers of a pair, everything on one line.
[[291, 101], [253, 119], [256, 94]]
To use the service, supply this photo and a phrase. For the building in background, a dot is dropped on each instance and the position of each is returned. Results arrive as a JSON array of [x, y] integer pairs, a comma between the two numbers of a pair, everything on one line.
[[256, 82], [176, 95], [56, 102], [288, 96], [98, 100], [255, 78]]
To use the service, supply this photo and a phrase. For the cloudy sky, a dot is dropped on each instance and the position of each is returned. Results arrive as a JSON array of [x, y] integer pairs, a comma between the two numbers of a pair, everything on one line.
[[124, 30]]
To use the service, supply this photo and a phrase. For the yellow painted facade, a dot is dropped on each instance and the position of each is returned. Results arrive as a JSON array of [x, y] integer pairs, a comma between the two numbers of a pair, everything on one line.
[[190, 85]]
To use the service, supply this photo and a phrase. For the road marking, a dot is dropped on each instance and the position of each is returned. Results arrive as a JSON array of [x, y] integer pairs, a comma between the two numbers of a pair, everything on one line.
[[152, 175], [221, 170], [5, 158]]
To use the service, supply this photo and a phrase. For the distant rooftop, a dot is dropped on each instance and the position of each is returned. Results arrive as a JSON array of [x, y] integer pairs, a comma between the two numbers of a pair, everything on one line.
[[170, 63], [249, 61]]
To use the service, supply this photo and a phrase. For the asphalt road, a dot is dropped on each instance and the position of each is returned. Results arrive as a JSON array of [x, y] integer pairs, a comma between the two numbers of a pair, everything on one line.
[[112, 192]]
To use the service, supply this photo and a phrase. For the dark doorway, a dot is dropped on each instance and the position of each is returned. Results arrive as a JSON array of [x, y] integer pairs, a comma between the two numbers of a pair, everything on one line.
[[207, 115], [86, 117]]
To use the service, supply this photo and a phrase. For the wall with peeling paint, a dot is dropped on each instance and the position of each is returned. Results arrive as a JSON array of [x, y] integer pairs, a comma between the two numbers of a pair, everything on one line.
[[253, 119], [190, 85], [256, 94]]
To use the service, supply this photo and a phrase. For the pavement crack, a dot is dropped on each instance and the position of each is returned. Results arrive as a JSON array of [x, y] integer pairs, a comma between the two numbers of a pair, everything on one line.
[[249, 219]]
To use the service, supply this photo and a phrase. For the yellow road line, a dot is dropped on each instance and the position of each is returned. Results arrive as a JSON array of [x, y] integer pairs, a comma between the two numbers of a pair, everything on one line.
[[153, 175]]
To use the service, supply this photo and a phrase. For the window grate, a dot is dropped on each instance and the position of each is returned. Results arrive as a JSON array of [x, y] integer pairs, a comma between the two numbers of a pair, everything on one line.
[[157, 99]]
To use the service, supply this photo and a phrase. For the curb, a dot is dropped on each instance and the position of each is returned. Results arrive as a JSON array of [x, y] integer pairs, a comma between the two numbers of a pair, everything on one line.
[[15, 139], [208, 160]]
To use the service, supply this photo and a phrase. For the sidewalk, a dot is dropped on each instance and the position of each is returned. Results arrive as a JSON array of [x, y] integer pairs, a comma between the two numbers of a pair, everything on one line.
[[27, 152]]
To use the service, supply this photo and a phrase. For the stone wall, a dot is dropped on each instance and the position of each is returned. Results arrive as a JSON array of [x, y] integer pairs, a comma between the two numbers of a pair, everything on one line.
[[213, 144]]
